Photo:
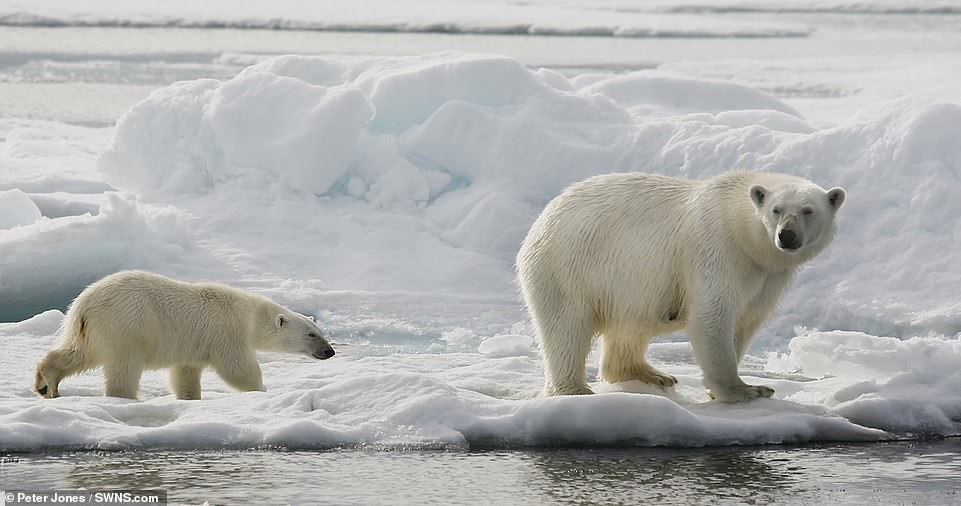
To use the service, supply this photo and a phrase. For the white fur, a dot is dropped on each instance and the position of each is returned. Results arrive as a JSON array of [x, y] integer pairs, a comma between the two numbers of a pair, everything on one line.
[[631, 256], [132, 321]]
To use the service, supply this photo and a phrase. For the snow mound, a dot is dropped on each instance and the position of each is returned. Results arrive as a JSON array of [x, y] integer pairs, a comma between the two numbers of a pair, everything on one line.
[[301, 132], [898, 385], [464, 150], [17, 209], [506, 345], [45, 323], [46, 264], [163, 148]]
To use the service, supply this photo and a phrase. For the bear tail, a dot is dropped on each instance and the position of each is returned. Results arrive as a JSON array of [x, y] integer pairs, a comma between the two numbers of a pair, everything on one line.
[[74, 329], [73, 340]]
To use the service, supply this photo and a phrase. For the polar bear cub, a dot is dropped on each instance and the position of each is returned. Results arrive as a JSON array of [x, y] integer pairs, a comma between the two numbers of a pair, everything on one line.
[[132, 321], [630, 256]]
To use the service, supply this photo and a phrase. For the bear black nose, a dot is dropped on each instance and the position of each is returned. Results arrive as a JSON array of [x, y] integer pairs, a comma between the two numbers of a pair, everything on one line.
[[42, 391], [788, 239], [329, 352]]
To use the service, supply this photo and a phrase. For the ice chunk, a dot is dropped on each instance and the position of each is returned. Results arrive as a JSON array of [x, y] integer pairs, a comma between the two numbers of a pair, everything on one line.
[[17, 209]]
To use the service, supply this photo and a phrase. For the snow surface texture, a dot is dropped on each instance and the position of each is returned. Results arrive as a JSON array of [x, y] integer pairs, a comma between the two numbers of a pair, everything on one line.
[[387, 197], [459, 400]]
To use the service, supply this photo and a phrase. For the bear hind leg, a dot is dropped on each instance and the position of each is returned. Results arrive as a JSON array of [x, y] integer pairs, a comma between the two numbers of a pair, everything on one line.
[[185, 381], [565, 338], [625, 360]]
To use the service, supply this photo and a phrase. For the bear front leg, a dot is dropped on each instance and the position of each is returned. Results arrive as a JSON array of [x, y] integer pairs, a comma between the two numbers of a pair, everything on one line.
[[185, 381], [242, 373], [711, 330], [565, 338], [123, 378], [55, 366], [747, 327], [49, 374], [46, 384], [759, 309]]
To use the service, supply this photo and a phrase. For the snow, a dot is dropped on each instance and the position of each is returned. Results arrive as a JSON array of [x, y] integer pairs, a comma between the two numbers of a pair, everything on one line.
[[443, 400], [16, 209], [506, 345], [913, 385], [645, 94], [468, 169], [45, 264], [387, 196]]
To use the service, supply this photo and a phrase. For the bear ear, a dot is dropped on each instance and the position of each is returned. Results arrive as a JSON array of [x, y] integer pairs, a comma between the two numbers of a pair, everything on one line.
[[281, 321], [758, 195], [835, 197]]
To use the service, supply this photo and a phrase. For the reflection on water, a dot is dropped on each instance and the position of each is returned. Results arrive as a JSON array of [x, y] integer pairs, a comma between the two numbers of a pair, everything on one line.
[[662, 476], [886, 473]]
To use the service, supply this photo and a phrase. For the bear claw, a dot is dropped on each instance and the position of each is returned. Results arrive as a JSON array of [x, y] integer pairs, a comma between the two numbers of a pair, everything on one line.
[[741, 393], [572, 391], [665, 380]]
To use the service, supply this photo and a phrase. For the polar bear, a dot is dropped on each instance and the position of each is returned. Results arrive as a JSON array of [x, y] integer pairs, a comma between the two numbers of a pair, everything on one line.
[[132, 320], [629, 256]]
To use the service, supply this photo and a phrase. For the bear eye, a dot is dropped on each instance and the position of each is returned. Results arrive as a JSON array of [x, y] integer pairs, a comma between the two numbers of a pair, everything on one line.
[[776, 210], [807, 211], [312, 334]]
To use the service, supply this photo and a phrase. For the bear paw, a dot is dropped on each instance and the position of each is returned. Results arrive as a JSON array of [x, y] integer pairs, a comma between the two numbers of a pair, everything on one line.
[[43, 388], [658, 378], [742, 393], [570, 390]]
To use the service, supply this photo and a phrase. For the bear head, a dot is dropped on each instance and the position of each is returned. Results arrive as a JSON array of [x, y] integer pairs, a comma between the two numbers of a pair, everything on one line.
[[299, 334], [798, 218]]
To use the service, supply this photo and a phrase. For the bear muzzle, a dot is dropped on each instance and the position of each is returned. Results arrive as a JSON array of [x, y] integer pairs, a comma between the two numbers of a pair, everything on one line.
[[788, 240], [324, 353]]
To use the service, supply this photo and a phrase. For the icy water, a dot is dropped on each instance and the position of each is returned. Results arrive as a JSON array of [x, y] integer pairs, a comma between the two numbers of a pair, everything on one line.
[[887, 473], [91, 75]]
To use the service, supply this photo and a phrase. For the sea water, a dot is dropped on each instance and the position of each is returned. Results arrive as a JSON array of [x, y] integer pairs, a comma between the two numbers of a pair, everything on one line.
[[882, 473]]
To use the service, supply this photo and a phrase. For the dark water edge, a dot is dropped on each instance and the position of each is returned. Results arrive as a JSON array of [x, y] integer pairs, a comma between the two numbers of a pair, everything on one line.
[[453, 27], [903, 472]]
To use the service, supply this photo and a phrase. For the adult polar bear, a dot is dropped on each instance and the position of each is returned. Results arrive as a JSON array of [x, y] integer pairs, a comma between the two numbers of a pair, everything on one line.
[[630, 256], [131, 321]]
